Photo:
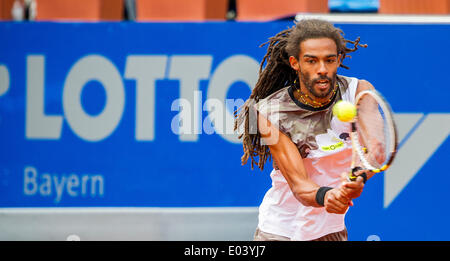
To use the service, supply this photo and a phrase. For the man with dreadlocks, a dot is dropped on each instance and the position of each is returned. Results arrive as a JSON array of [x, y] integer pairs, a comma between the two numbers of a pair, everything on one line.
[[288, 117]]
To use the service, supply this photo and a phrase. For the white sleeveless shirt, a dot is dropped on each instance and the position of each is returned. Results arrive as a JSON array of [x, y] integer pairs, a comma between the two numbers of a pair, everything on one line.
[[329, 156]]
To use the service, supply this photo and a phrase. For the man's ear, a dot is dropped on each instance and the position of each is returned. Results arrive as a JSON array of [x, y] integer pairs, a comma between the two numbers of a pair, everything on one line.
[[339, 59], [294, 63]]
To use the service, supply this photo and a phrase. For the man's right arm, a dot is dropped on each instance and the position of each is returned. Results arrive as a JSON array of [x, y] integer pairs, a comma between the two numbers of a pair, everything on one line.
[[290, 163]]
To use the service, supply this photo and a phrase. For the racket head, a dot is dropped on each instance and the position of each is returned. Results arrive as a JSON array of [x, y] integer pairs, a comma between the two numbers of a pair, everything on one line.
[[375, 135]]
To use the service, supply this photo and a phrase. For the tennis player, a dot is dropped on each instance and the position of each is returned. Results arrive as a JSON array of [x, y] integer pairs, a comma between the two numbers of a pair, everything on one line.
[[311, 150]]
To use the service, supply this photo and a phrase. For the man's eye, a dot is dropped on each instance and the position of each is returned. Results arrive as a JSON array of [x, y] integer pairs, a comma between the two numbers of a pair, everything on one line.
[[331, 61], [311, 61]]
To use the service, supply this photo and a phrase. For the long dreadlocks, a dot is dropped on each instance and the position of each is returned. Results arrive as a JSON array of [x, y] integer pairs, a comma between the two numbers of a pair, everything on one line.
[[278, 73]]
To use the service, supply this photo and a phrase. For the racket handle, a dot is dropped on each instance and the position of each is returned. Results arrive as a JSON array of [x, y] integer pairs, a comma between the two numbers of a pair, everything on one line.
[[352, 176]]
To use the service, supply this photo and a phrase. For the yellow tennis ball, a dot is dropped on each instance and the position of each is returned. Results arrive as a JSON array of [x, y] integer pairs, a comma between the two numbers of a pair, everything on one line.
[[344, 110]]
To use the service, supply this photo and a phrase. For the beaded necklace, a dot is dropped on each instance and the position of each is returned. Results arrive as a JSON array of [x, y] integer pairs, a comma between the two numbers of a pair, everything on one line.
[[314, 103]]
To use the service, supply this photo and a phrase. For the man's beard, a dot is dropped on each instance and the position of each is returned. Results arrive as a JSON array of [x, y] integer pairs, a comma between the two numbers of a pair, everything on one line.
[[306, 80]]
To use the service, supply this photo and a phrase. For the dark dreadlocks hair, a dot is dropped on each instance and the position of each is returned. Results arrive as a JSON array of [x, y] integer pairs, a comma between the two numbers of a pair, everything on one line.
[[278, 73]]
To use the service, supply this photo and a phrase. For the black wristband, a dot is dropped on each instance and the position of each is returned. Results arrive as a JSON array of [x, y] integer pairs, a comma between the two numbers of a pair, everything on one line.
[[320, 195]]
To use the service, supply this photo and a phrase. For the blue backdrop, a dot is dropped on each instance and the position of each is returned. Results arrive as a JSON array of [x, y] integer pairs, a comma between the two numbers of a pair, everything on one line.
[[87, 117]]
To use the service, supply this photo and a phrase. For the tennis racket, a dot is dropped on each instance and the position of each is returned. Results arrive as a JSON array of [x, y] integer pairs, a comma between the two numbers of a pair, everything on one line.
[[373, 134]]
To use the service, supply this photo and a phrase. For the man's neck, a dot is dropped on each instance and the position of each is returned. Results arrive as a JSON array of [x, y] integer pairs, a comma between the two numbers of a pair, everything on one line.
[[307, 98]]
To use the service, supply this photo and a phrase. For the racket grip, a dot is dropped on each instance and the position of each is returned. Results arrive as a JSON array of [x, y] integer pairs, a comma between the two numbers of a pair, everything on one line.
[[352, 176]]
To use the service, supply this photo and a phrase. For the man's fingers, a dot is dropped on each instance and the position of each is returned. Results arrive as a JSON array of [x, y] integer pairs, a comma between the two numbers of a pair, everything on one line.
[[343, 198], [339, 201], [339, 196], [357, 184], [336, 210], [336, 202], [352, 189], [360, 180]]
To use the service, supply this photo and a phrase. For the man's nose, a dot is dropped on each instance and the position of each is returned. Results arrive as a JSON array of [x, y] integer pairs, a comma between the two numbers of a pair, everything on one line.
[[322, 69]]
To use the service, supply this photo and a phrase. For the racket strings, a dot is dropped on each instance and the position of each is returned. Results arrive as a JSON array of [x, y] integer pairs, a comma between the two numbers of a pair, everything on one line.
[[373, 131]]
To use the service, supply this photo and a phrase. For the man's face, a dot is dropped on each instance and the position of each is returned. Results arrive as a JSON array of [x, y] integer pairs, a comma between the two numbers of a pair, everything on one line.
[[317, 64]]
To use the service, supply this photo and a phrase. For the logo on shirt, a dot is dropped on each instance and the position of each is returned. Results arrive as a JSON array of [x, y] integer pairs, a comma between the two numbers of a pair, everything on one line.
[[332, 147], [329, 142]]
